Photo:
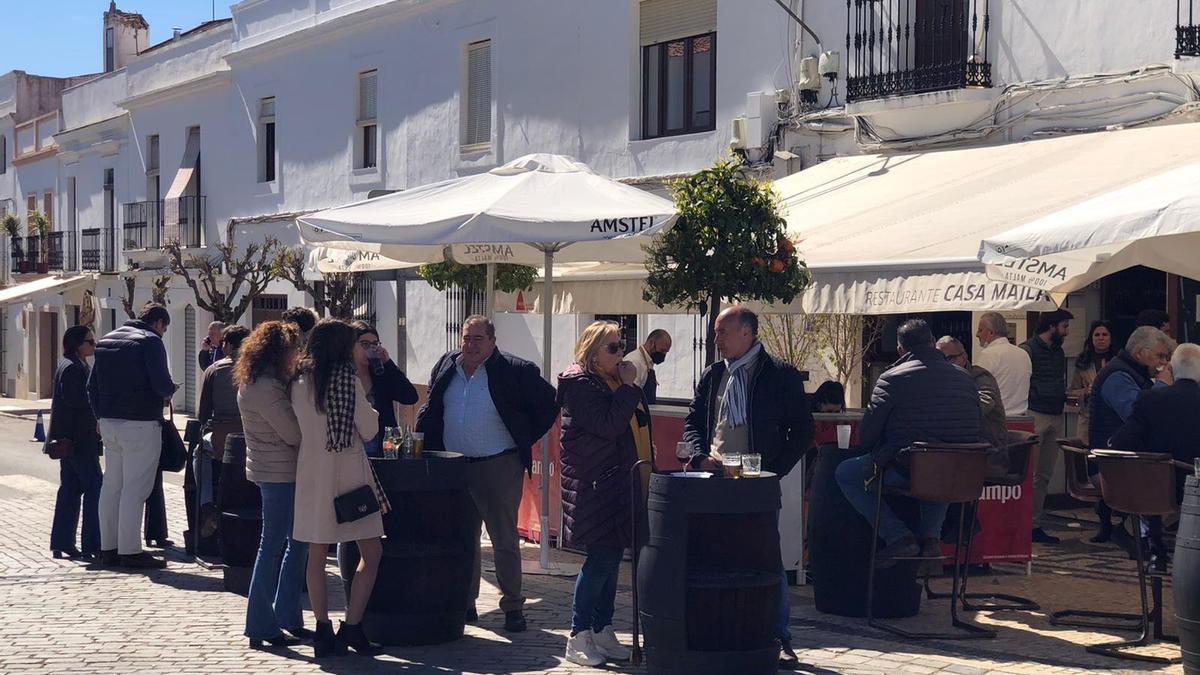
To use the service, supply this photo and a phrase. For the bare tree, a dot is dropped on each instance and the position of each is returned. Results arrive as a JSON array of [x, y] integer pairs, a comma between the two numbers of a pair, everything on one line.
[[334, 294], [227, 283], [127, 298], [798, 339], [849, 338], [158, 294]]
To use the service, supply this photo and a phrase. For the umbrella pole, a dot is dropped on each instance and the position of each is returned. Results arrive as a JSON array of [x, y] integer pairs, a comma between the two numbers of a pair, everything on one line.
[[547, 334], [490, 291]]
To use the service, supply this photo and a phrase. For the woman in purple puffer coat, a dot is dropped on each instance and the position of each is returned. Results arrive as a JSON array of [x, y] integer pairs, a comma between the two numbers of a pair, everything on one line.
[[603, 434]]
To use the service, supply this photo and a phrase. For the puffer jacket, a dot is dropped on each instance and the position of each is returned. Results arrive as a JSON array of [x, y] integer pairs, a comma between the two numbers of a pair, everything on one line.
[[598, 451], [922, 397], [1048, 383], [271, 429], [130, 379]]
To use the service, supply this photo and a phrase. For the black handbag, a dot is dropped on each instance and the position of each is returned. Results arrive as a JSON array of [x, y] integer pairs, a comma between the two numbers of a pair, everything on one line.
[[355, 504], [174, 454]]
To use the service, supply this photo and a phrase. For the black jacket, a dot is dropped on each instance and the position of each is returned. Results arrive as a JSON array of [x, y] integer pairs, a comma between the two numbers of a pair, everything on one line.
[[922, 397], [207, 357], [130, 380], [392, 385], [523, 399], [1164, 419], [781, 423], [71, 415], [1048, 383]]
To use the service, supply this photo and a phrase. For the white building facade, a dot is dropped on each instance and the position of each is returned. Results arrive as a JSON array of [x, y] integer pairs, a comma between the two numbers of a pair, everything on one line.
[[298, 105]]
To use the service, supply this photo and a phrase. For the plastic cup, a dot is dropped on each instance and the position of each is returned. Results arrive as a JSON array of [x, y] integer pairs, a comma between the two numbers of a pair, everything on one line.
[[751, 465], [843, 436]]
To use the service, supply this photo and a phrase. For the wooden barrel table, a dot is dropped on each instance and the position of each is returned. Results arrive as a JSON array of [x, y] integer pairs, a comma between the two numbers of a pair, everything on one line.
[[709, 575], [1185, 580], [240, 504], [421, 593]]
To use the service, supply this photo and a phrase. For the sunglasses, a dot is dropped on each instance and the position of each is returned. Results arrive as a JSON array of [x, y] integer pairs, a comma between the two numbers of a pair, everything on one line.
[[613, 347]]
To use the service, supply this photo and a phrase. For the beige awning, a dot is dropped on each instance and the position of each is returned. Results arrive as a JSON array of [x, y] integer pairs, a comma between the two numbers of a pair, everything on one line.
[[183, 178], [30, 290]]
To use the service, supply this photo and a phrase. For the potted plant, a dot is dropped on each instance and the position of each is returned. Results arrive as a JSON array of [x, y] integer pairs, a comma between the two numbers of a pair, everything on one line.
[[40, 225], [12, 227]]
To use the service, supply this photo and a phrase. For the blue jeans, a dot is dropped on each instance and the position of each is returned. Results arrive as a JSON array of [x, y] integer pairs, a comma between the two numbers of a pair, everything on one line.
[[212, 474], [596, 589], [277, 582], [849, 475], [79, 481]]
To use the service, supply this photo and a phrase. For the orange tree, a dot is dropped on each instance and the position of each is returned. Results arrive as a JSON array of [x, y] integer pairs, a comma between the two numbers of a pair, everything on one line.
[[729, 243]]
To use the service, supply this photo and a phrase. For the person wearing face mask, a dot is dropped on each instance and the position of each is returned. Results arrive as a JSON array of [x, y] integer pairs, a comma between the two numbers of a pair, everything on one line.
[[1047, 397], [71, 419], [652, 353]]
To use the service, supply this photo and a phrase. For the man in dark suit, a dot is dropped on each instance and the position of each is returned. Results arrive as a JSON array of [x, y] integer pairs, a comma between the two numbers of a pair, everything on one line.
[[1167, 419], [492, 407]]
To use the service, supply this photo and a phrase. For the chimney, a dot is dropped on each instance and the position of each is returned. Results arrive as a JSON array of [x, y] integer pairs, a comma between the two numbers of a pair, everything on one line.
[[176, 32]]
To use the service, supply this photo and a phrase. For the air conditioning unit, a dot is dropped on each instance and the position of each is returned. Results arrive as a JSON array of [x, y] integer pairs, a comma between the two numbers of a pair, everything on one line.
[[762, 114]]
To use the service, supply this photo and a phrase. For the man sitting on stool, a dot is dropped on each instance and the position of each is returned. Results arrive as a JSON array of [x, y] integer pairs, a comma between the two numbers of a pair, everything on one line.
[[922, 397], [1165, 419]]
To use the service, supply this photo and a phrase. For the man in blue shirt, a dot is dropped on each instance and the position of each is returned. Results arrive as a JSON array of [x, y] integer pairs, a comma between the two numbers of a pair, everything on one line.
[[491, 407]]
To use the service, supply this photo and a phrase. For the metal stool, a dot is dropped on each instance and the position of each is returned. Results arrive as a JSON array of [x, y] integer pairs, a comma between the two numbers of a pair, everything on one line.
[[1080, 486], [1139, 484], [1020, 444], [938, 472]]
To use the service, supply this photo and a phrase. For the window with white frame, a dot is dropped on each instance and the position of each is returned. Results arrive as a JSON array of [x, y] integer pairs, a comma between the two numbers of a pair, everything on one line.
[[477, 109], [679, 66], [266, 139], [366, 145]]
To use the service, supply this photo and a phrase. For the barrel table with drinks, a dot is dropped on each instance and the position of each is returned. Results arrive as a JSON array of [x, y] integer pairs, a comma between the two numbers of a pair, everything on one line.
[[708, 577], [1185, 580], [421, 592]]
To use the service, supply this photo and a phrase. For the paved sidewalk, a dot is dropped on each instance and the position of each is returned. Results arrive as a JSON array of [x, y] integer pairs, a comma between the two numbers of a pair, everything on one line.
[[60, 616]]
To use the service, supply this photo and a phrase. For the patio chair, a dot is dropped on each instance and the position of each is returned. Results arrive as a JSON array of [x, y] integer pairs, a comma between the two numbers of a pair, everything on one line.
[[938, 472], [1139, 484], [1080, 486], [1020, 444]]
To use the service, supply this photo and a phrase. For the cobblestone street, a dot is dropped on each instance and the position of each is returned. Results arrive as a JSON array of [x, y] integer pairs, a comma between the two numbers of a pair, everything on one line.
[[60, 616]]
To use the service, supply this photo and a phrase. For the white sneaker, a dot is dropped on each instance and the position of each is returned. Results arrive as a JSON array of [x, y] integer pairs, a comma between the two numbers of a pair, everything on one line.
[[581, 649], [606, 643]]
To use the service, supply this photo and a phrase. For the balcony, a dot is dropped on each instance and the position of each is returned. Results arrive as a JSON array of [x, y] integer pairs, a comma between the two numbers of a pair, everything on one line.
[[97, 250], [145, 223], [57, 252], [1187, 28], [901, 47]]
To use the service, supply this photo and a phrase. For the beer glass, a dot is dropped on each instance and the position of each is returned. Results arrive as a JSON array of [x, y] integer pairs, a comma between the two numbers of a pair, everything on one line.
[[418, 443], [732, 464], [751, 465]]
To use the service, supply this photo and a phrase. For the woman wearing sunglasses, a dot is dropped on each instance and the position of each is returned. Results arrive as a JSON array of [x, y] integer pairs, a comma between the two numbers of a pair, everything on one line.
[[383, 381], [605, 429], [71, 419]]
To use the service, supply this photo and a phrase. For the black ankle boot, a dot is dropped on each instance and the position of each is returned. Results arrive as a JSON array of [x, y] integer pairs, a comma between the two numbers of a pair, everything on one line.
[[325, 643], [351, 635], [1104, 534]]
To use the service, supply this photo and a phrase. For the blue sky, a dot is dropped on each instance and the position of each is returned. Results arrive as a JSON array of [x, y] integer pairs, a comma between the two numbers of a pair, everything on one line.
[[62, 37]]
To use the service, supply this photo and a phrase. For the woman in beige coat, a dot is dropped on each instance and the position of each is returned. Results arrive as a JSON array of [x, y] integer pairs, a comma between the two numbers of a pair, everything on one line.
[[335, 418]]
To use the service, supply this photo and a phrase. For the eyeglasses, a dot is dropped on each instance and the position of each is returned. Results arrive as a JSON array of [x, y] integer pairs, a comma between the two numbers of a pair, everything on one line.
[[368, 344], [613, 347]]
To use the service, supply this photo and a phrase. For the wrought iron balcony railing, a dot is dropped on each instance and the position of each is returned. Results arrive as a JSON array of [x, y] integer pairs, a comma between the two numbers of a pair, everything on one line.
[[97, 252], [145, 223], [60, 252], [899, 47], [1187, 28]]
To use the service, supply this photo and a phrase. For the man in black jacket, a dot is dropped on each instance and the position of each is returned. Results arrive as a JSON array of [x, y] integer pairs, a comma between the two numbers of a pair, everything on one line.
[[1047, 396], [492, 414], [127, 388], [751, 402], [922, 397], [1165, 419]]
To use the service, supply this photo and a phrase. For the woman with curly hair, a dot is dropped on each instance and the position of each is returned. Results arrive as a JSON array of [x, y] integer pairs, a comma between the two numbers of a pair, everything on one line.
[[263, 373]]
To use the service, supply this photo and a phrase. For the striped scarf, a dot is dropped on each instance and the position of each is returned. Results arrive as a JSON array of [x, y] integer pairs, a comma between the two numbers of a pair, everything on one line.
[[339, 409], [733, 406]]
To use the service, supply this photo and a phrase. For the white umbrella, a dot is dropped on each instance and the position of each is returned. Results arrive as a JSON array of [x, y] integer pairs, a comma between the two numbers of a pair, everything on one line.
[[1154, 222], [533, 210]]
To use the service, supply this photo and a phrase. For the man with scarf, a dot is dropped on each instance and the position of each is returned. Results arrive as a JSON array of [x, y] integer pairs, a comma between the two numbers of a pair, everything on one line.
[[1047, 396], [922, 397], [652, 353], [751, 402]]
